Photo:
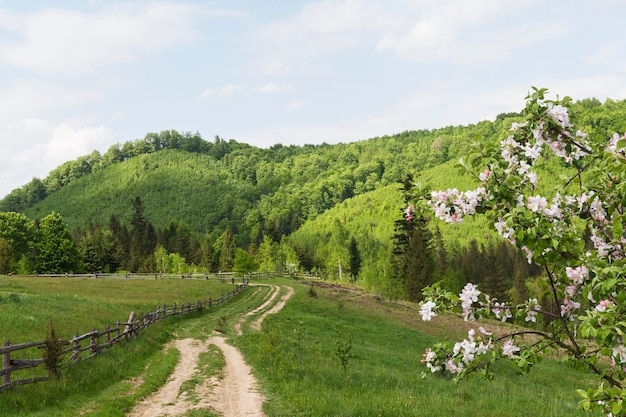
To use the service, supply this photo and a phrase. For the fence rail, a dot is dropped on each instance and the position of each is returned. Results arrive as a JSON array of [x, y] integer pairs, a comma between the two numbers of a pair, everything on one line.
[[221, 276], [61, 352]]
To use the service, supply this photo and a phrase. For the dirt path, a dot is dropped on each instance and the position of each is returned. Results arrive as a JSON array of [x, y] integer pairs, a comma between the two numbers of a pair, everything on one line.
[[277, 307], [233, 395]]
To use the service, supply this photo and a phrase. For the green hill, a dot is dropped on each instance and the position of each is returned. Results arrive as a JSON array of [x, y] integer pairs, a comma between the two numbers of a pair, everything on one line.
[[313, 198]]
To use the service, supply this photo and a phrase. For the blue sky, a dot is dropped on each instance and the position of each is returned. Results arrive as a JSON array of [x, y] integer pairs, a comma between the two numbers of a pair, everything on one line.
[[78, 76]]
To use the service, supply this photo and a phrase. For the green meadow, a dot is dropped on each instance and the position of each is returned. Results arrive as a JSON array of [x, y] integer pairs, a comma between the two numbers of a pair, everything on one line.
[[331, 351]]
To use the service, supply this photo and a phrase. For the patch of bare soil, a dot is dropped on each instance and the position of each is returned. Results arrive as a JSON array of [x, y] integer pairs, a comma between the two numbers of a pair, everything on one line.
[[235, 395], [232, 395], [277, 307], [272, 295], [166, 401]]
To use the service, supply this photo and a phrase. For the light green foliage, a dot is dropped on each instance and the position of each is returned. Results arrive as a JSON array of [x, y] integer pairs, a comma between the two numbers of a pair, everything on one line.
[[244, 262], [57, 252]]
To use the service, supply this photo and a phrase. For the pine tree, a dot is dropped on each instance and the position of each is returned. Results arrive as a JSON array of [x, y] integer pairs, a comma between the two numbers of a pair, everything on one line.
[[420, 266], [355, 259], [413, 263]]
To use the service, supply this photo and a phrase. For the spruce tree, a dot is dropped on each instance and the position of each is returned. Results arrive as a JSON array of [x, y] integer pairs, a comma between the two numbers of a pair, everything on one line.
[[413, 264], [355, 259]]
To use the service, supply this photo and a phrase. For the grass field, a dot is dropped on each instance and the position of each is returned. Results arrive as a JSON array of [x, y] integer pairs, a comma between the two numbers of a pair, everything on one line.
[[78, 304], [295, 356]]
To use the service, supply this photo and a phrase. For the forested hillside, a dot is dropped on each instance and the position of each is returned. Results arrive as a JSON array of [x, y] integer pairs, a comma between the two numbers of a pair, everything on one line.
[[217, 205]]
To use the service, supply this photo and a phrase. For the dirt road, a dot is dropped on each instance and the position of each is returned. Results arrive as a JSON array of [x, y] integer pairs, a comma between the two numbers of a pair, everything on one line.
[[233, 395]]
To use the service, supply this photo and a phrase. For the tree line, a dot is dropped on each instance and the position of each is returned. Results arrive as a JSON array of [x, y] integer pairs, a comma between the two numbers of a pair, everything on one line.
[[49, 246]]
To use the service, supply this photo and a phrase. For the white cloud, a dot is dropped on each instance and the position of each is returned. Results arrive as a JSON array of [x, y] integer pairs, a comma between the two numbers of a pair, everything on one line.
[[71, 41], [324, 26], [469, 32], [223, 91], [35, 147], [272, 87], [295, 105], [37, 97], [67, 142]]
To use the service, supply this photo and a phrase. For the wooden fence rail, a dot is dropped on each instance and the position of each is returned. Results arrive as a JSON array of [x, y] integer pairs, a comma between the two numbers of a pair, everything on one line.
[[60, 352], [221, 276]]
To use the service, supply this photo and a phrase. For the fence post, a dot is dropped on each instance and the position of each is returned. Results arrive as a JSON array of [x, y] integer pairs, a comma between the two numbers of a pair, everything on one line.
[[129, 324], [210, 302], [6, 364], [93, 343], [76, 348], [107, 336]]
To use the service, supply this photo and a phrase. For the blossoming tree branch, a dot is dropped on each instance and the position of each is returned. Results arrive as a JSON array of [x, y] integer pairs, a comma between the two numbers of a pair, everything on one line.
[[575, 232]]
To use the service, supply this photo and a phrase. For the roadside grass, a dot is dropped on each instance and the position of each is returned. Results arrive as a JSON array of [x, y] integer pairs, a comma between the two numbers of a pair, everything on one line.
[[27, 304], [297, 358], [297, 355], [113, 382]]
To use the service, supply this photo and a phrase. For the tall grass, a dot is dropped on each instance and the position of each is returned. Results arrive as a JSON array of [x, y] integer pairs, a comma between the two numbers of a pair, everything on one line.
[[295, 357], [112, 383], [27, 304]]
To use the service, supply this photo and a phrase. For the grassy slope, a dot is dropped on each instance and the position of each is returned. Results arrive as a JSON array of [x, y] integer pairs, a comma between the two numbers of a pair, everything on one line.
[[293, 358]]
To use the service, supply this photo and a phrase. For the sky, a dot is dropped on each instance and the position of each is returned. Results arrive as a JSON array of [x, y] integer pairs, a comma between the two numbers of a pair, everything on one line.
[[78, 76]]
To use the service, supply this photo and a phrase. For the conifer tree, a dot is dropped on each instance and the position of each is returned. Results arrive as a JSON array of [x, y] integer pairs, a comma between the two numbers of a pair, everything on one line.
[[355, 259], [413, 264]]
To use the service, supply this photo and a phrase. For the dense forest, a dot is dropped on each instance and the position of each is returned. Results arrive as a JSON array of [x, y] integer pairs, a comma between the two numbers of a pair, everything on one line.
[[175, 202]]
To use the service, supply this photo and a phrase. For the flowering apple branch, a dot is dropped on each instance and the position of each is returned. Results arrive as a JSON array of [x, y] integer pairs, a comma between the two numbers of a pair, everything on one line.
[[575, 231]]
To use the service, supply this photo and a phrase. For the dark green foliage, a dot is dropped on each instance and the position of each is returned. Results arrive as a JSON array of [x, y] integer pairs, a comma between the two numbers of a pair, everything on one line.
[[100, 250], [413, 259], [6, 257], [53, 352], [355, 259]]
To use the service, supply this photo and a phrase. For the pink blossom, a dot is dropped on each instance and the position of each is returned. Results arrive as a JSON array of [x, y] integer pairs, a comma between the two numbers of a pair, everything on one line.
[[602, 305], [509, 349], [578, 275]]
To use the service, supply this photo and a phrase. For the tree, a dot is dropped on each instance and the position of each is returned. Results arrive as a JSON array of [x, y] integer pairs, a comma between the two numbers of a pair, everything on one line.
[[6, 258], [57, 251], [244, 262], [420, 264], [18, 231], [413, 259], [227, 251], [355, 259], [586, 284], [143, 240]]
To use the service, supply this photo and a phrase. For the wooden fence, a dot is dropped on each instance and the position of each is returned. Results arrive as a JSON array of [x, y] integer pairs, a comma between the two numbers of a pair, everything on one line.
[[60, 352], [220, 276]]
